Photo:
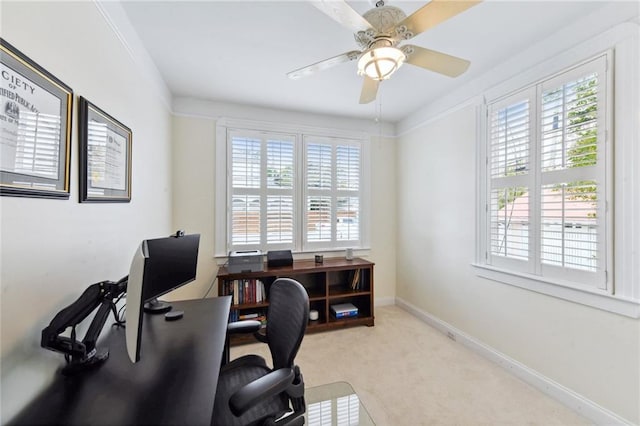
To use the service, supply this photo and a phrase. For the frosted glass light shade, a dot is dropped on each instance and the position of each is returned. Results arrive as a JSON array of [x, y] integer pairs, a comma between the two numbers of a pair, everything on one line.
[[379, 63]]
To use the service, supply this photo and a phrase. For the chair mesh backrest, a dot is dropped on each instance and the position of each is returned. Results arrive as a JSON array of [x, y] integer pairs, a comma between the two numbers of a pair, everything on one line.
[[287, 318]]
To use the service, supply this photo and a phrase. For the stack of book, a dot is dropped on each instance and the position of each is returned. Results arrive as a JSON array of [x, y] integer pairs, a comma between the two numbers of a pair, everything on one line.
[[344, 310], [246, 291]]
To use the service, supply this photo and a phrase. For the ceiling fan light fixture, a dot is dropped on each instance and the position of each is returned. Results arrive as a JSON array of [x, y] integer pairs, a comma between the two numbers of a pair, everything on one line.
[[380, 62]]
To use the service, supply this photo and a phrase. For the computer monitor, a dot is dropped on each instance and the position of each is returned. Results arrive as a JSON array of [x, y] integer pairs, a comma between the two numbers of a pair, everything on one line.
[[158, 266]]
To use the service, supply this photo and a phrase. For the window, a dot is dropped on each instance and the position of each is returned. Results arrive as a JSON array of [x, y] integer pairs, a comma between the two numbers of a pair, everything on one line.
[[546, 175], [291, 190], [332, 192], [261, 189]]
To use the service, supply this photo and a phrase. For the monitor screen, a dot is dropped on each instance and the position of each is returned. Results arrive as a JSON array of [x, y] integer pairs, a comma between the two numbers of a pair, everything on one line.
[[158, 266]]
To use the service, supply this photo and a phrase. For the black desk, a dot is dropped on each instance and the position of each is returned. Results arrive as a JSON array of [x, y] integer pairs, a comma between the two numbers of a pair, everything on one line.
[[173, 383]]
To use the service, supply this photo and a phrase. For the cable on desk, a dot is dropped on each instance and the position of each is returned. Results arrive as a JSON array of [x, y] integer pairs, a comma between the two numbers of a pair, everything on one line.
[[121, 320], [214, 280], [210, 287]]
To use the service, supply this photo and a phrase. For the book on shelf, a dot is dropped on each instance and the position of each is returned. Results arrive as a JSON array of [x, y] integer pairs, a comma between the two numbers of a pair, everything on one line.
[[355, 280], [245, 291], [233, 315]]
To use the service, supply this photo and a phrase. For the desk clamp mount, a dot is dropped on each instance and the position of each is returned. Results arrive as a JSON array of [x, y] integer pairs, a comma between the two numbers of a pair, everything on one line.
[[83, 355]]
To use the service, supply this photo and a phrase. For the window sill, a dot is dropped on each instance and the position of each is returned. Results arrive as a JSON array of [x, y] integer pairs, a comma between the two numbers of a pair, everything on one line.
[[592, 298], [301, 255]]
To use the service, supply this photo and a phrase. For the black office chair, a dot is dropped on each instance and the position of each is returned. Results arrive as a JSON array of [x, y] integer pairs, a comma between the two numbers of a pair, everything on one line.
[[251, 393]]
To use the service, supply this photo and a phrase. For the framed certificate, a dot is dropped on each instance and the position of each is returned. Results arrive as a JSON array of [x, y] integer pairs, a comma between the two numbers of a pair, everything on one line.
[[35, 128], [105, 156]]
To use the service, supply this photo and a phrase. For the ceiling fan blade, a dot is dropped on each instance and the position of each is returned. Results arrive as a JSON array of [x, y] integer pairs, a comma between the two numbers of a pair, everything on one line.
[[430, 15], [341, 12], [369, 90], [323, 65], [435, 61]]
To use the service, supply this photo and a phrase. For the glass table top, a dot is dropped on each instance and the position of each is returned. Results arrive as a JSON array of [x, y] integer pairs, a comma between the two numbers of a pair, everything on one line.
[[335, 404]]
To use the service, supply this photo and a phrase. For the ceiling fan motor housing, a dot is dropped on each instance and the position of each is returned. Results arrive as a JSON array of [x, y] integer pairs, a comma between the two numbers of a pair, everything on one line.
[[383, 19]]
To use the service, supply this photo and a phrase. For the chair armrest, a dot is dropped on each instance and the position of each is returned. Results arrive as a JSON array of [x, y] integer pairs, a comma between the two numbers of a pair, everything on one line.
[[264, 387], [241, 327]]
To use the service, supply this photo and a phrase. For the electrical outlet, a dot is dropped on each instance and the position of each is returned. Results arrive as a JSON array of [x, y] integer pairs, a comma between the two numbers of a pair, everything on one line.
[[451, 336]]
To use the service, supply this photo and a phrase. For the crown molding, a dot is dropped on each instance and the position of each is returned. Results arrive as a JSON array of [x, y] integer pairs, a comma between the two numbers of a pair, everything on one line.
[[117, 19], [200, 108], [615, 21]]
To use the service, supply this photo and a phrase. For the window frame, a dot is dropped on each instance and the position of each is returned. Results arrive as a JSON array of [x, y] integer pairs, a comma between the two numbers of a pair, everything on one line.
[[222, 220], [608, 298]]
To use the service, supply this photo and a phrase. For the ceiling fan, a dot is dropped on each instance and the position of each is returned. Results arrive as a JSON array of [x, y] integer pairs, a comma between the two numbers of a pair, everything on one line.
[[379, 33]]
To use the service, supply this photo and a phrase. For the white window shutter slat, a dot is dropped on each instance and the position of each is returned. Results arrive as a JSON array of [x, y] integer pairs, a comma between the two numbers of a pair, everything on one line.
[[319, 218], [280, 164], [245, 159], [348, 167], [262, 190], [509, 140], [280, 219], [319, 166], [245, 220], [334, 173]]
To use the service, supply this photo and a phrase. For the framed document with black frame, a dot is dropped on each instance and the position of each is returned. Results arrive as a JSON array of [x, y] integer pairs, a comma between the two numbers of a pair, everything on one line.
[[35, 128], [105, 156]]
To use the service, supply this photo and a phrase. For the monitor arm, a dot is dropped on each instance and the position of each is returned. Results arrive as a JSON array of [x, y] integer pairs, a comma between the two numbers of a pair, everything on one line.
[[81, 355]]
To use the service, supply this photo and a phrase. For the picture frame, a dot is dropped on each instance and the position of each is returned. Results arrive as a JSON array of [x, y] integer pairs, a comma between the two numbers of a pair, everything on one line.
[[35, 128], [105, 156]]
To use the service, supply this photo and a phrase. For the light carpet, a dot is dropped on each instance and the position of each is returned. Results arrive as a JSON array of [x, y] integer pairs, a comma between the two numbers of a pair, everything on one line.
[[407, 373]]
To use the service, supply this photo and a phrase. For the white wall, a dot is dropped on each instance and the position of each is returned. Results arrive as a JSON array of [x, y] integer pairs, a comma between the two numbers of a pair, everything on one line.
[[194, 186], [53, 249], [194, 195], [584, 350], [592, 352]]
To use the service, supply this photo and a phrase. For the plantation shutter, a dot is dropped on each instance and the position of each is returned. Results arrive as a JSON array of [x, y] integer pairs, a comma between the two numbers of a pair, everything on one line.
[[546, 176], [280, 185], [262, 191], [285, 189], [573, 174], [510, 180], [348, 160], [319, 168], [245, 191], [332, 192]]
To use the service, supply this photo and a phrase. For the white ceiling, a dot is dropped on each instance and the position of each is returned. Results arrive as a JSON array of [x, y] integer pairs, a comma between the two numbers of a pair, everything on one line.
[[240, 51]]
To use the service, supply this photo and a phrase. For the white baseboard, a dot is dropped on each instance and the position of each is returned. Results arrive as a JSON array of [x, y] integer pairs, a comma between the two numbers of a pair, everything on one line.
[[571, 399]]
